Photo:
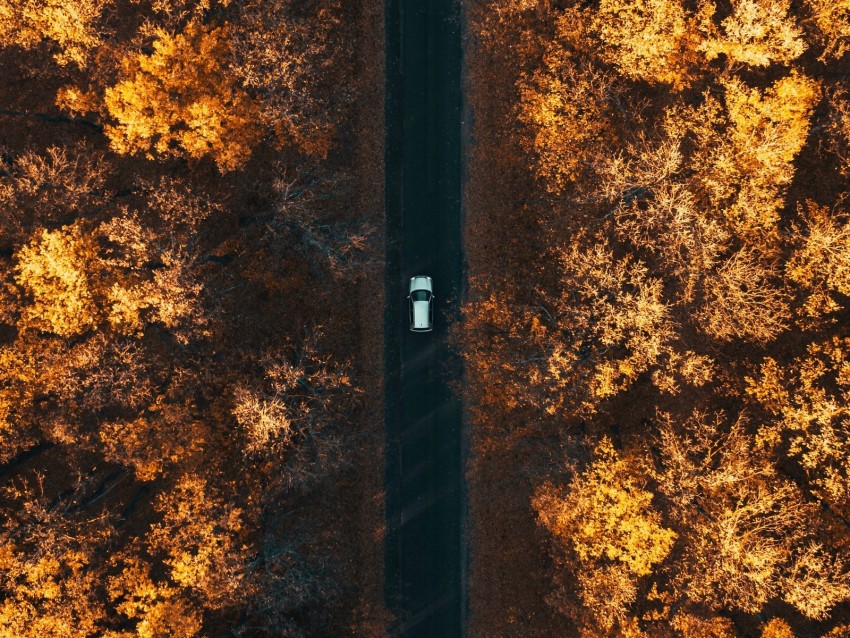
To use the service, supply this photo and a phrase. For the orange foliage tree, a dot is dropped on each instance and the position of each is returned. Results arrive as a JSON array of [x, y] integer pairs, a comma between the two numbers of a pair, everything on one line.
[[745, 149], [831, 22], [183, 100], [757, 33], [820, 263], [72, 25], [747, 533], [50, 568], [807, 401], [651, 40], [606, 533], [564, 106], [605, 325]]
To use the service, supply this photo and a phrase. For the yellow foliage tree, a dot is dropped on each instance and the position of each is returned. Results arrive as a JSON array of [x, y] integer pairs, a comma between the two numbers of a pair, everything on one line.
[[651, 40], [657, 212], [157, 608], [54, 271], [757, 33], [839, 128], [809, 400], [745, 151], [744, 530], [182, 100], [612, 324], [71, 24], [296, 395], [200, 538], [820, 263], [777, 628], [75, 287], [743, 300], [49, 570], [19, 373], [605, 325], [606, 519], [691, 625], [564, 108], [831, 19]]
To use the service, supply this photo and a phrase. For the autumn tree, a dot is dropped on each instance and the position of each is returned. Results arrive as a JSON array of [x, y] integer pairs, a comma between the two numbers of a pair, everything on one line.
[[201, 541], [183, 100], [50, 567], [820, 263], [756, 33], [831, 21], [838, 127], [745, 150], [650, 40], [291, 57], [193, 560], [606, 533], [72, 26], [743, 300], [18, 428], [53, 269], [606, 324], [157, 608], [657, 212], [300, 221], [610, 324], [777, 628], [85, 294], [563, 104], [47, 190], [810, 423], [746, 531], [695, 623], [72, 292], [175, 10], [296, 412]]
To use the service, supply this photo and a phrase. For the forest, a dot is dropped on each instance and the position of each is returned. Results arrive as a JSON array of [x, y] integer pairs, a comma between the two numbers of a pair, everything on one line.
[[656, 329], [190, 423]]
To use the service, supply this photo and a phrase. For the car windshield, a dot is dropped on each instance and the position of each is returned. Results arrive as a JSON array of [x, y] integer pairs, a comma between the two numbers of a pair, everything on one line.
[[420, 295]]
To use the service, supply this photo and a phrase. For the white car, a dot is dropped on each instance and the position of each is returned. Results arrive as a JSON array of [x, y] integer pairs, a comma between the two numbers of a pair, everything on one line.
[[421, 302]]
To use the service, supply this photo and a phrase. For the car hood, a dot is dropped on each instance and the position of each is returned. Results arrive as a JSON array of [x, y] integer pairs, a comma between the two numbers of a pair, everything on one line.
[[420, 283]]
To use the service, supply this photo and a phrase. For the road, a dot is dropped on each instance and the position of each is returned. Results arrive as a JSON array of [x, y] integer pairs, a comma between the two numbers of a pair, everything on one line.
[[425, 555]]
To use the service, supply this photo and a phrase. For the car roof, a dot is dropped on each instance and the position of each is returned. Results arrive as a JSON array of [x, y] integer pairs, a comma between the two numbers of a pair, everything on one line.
[[421, 318], [420, 282]]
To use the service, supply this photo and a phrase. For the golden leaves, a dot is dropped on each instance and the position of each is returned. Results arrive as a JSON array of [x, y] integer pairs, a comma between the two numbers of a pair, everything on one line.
[[53, 270], [199, 535], [607, 515], [607, 305], [746, 168], [743, 525], [183, 100], [606, 518], [75, 287], [832, 21], [651, 40], [71, 24], [743, 300], [821, 262], [757, 33], [563, 106], [808, 400]]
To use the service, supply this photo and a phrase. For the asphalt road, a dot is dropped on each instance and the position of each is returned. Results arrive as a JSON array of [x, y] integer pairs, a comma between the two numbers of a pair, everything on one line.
[[425, 556]]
